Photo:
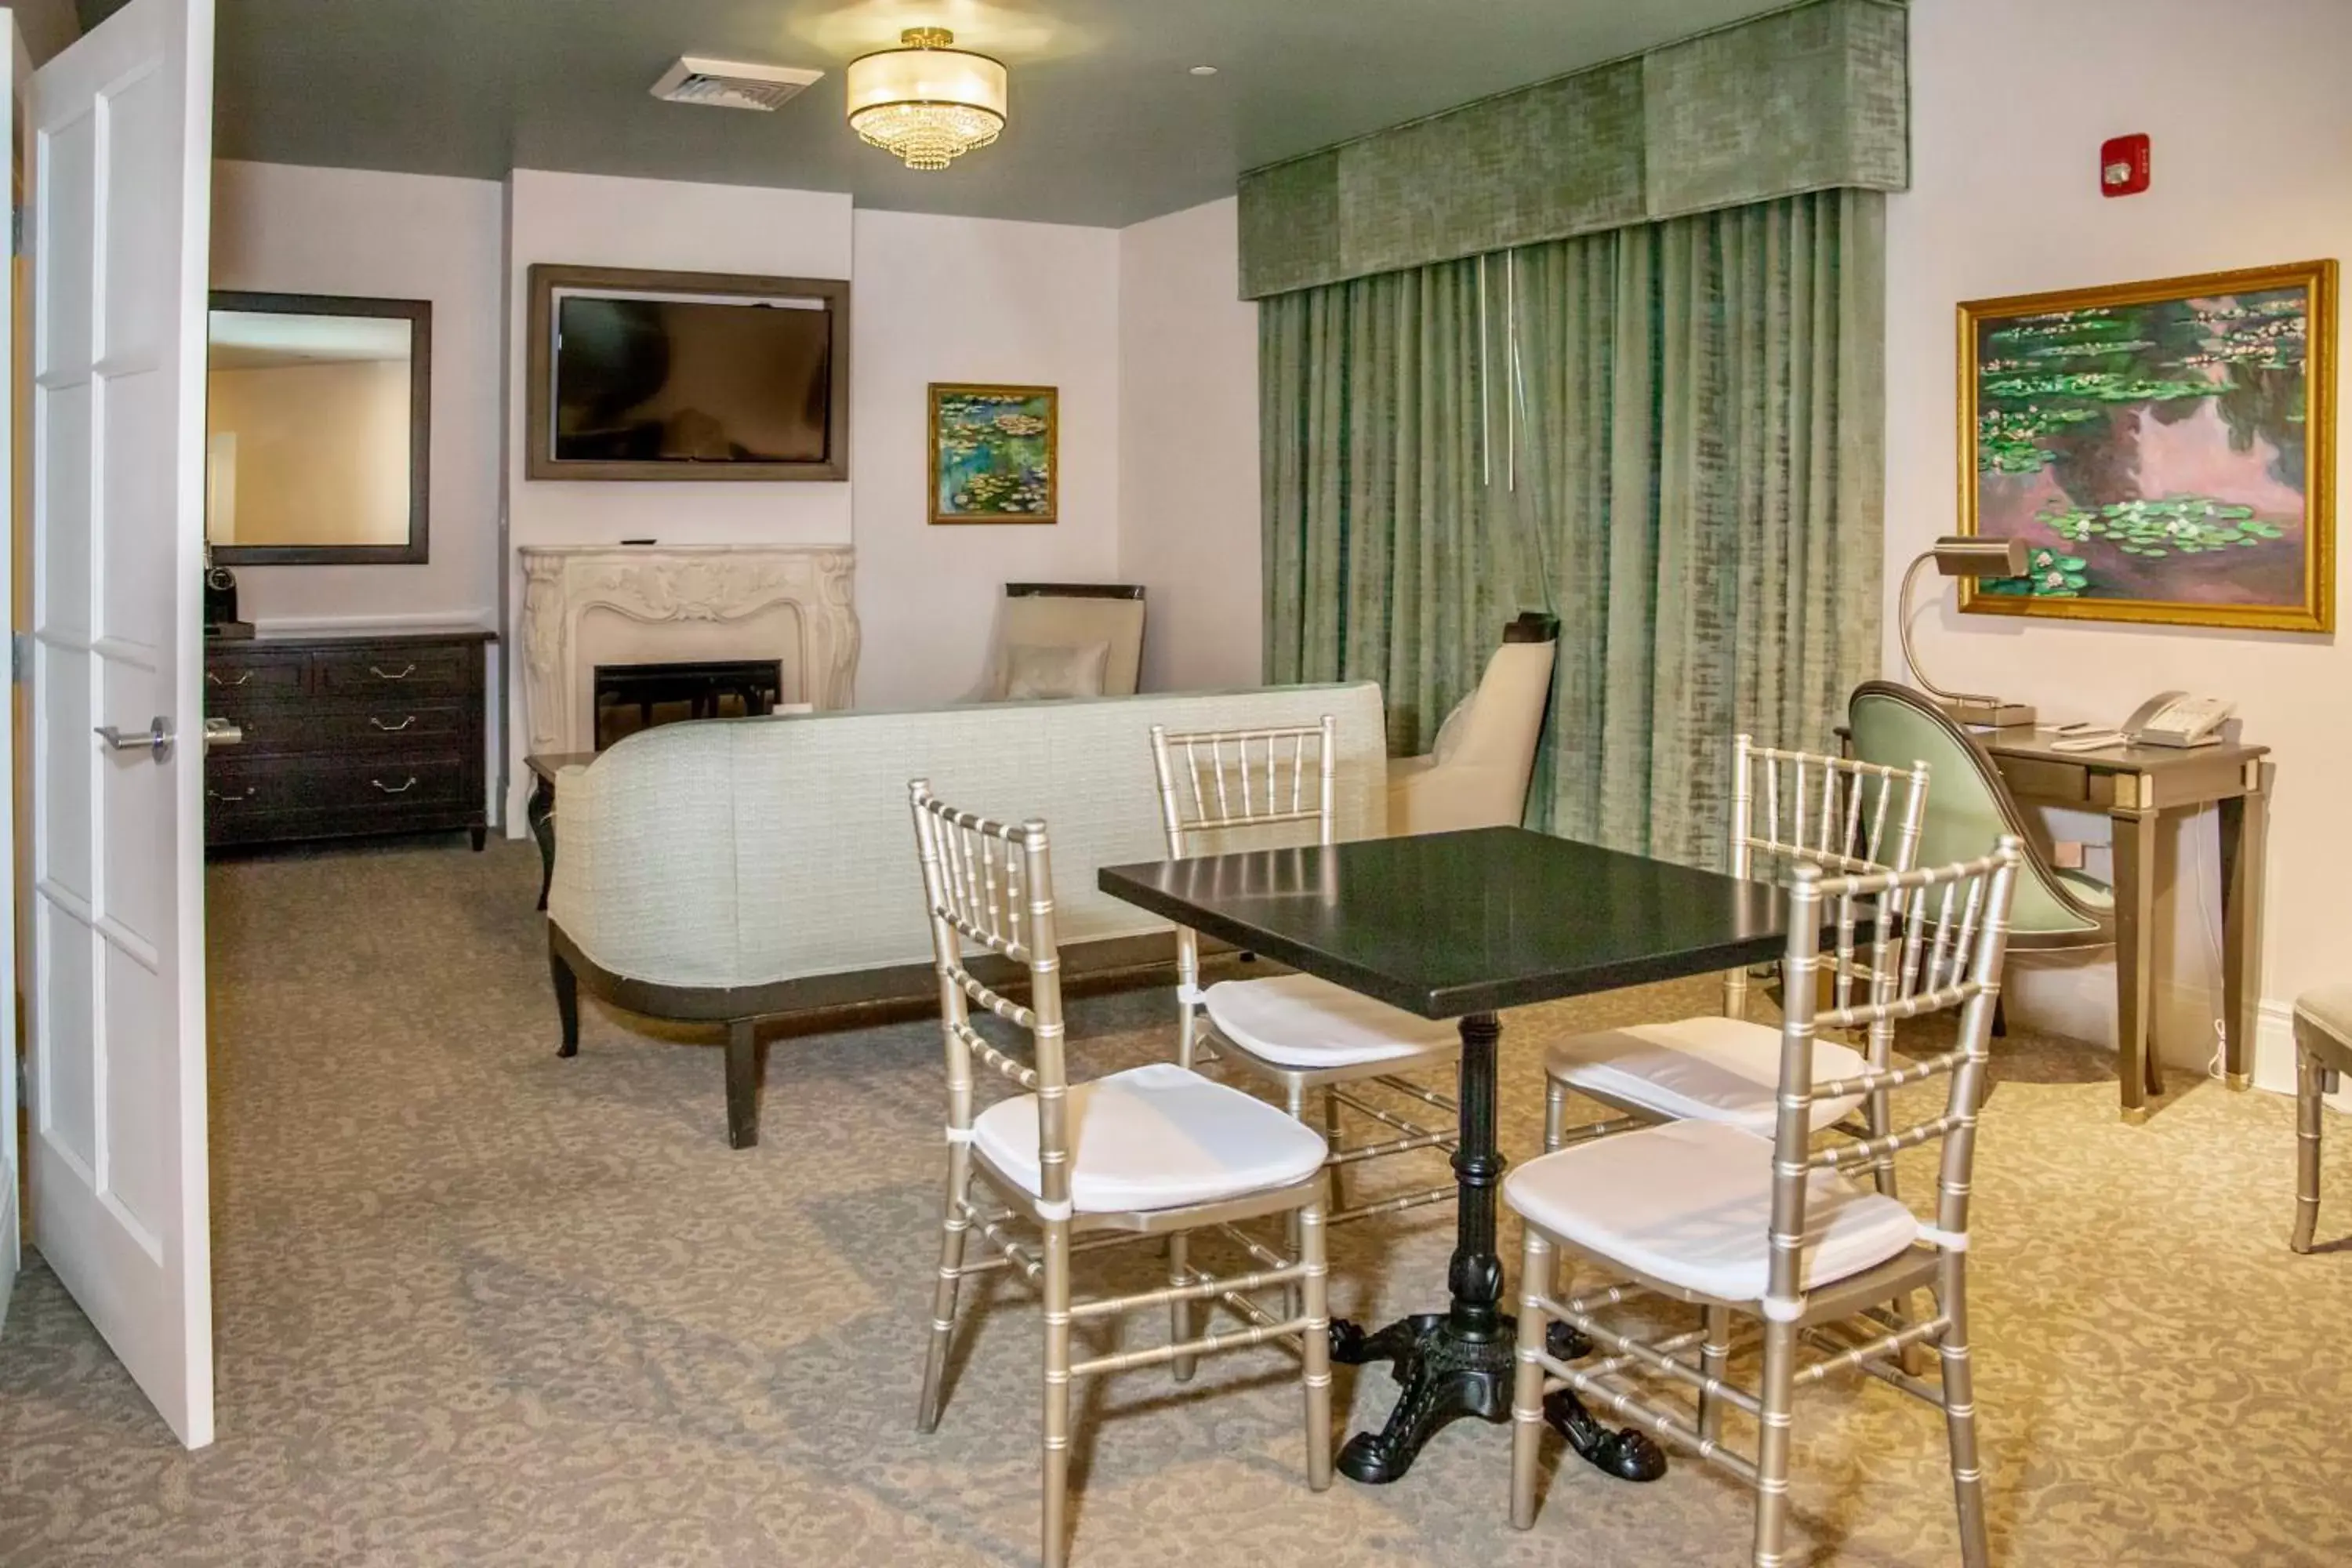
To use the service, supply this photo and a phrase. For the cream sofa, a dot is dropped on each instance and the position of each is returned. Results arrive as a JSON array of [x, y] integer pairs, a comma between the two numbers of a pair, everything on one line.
[[740, 869]]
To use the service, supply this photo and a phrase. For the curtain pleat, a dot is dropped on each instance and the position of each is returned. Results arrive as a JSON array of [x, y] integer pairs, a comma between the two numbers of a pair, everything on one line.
[[1668, 434]]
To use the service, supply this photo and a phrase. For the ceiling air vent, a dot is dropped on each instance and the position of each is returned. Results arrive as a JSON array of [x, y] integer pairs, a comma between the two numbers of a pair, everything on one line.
[[731, 84]]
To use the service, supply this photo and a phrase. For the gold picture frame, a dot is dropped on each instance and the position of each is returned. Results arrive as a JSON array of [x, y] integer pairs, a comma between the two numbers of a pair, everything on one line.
[[2217, 390], [994, 453]]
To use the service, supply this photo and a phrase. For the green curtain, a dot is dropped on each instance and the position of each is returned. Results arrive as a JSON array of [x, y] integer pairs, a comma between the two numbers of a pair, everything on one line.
[[1670, 434]]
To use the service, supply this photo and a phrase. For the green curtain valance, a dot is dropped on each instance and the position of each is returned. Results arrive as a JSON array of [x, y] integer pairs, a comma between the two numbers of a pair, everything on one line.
[[1812, 99]]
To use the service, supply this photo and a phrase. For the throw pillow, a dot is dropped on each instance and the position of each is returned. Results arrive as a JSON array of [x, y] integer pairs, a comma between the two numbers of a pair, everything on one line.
[[1035, 671]]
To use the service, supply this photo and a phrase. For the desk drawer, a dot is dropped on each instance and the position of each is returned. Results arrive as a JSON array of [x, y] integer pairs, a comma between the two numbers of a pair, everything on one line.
[[411, 675], [2058, 784]]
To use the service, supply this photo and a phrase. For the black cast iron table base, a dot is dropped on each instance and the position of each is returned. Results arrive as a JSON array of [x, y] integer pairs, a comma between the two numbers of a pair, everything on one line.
[[1445, 1377], [1459, 1362]]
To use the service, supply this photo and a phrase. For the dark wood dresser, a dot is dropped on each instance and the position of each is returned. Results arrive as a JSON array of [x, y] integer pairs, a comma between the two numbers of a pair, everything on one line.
[[346, 735]]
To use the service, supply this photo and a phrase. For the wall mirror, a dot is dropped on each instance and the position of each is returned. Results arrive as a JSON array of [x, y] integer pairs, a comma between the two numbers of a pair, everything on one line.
[[317, 429]]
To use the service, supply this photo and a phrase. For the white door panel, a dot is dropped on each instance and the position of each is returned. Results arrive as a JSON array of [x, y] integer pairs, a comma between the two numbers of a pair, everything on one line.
[[119, 222], [14, 85]]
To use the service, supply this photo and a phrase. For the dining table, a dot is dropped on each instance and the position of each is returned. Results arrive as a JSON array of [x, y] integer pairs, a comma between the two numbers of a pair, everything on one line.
[[1464, 925]]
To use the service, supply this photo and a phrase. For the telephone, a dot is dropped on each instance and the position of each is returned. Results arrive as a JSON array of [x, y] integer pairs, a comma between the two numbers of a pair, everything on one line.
[[2176, 719]]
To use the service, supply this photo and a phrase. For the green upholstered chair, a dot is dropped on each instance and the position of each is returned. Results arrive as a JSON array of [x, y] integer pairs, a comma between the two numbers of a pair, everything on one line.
[[1969, 807]]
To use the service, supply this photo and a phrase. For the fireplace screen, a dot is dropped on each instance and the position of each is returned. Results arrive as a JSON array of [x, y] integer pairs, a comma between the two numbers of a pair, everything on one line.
[[633, 697]]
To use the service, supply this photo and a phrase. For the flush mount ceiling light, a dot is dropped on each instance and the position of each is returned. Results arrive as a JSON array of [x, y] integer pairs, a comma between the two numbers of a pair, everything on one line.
[[927, 102]]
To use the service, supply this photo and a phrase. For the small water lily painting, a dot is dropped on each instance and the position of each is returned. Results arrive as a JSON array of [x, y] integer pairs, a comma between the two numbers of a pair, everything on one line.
[[2166, 449], [992, 454]]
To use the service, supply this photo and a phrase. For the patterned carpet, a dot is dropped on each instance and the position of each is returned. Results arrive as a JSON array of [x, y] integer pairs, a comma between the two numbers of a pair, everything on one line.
[[477, 1305]]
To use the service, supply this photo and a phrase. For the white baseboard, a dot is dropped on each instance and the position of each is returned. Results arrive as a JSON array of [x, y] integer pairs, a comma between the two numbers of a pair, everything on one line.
[[2273, 1063], [2078, 1002]]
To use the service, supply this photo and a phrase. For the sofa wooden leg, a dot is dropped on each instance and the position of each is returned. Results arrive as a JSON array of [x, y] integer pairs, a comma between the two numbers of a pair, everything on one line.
[[742, 1083], [567, 1004]]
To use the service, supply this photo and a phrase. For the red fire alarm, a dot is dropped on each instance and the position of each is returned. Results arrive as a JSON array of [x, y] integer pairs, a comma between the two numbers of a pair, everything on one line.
[[2123, 166]]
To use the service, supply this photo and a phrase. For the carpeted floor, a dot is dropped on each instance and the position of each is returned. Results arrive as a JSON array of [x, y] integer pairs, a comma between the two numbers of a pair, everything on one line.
[[477, 1305]]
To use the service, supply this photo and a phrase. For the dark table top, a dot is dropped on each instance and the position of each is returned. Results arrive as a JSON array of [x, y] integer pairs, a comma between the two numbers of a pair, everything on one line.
[[1443, 924]]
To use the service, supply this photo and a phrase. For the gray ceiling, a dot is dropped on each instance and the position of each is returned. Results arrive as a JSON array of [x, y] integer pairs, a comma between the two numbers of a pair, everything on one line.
[[1108, 127]]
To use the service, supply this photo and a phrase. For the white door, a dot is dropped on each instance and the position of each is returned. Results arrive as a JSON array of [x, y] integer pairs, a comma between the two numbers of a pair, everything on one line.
[[12, 82], [118, 223]]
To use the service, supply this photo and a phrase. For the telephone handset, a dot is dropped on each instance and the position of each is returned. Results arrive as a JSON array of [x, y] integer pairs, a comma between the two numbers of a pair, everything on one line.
[[2176, 719]]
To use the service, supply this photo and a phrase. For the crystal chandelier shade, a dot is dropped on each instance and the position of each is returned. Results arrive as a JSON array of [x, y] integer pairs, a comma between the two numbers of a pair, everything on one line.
[[926, 103]]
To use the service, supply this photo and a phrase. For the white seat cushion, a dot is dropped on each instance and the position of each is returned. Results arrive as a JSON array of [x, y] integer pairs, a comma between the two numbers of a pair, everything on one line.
[[1700, 1069], [1690, 1204], [1157, 1137], [1298, 1021]]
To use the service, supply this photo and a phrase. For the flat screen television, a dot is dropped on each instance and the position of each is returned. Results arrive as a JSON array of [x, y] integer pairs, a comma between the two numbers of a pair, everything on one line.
[[649, 376]]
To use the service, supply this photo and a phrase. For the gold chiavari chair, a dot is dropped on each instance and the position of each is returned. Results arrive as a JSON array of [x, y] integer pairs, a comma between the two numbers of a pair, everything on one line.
[[1237, 789], [1155, 1151], [1787, 810], [1772, 1230]]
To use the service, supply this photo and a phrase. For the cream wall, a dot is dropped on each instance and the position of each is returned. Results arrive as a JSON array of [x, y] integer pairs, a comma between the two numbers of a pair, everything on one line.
[[1188, 450], [321, 453], [1142, 330], [944, 299], [283, 230], [932, 299], [2010, 100], [594, 220]]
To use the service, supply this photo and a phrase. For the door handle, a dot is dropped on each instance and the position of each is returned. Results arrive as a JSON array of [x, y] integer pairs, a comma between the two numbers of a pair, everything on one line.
[[391, 729], [213, 678], [157, 738], [402, 673], [402, 788], [222, 732]]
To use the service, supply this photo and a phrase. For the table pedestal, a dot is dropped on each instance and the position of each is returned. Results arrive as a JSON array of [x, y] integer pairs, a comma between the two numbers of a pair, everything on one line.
[[1458, 1362]]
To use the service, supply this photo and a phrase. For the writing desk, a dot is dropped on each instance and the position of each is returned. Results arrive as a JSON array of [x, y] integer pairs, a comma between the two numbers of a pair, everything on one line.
[[2134, 785]]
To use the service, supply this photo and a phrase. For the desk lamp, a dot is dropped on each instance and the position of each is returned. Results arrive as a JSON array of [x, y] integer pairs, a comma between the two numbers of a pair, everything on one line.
[[1964, 555]]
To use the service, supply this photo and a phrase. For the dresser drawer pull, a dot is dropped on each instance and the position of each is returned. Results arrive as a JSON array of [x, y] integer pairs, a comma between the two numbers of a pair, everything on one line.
[[213, 677], [402, 788], [391, 729], [251, 790], [380, 674]]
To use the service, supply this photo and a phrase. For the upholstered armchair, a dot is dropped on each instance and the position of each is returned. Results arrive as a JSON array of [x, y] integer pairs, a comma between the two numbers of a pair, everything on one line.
[[1065, 639], [1478, 776], [1969, 806]]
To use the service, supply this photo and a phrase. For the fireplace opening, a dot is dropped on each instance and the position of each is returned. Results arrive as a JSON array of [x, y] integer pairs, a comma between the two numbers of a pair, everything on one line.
[[633, 697]]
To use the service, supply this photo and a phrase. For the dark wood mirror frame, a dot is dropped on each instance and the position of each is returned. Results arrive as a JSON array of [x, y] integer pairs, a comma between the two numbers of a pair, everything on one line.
[[418, 314]]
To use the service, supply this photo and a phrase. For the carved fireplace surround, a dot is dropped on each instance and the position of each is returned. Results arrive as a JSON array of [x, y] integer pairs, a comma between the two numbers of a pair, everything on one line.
[[585, 605]]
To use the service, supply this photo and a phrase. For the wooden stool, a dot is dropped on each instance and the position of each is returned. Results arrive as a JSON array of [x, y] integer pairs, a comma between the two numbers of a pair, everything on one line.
[[2323, 1053]]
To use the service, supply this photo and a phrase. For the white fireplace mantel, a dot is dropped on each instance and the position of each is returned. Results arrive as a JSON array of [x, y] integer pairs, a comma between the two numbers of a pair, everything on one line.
[[586, 604]]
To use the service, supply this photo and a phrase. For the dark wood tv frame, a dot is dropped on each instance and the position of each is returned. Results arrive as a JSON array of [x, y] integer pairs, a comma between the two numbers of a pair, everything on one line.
[[539, 461], [418, 314]]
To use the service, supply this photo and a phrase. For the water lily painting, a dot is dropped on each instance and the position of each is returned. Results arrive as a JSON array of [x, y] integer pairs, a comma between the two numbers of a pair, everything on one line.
[[2166, 449], [992, 454]]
